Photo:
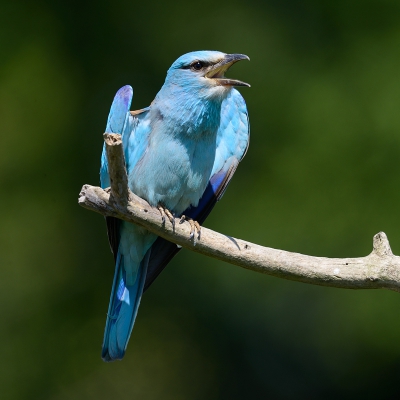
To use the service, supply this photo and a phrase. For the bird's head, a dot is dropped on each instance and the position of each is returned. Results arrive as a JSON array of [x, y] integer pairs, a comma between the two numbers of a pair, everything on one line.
[[204, 71]]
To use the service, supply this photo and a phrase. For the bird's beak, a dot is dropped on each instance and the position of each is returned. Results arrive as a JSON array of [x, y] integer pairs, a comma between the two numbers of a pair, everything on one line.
[[218, 70]]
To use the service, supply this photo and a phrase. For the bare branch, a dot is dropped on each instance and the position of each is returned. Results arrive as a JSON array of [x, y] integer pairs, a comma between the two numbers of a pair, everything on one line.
[[116, 169], [380, 269]]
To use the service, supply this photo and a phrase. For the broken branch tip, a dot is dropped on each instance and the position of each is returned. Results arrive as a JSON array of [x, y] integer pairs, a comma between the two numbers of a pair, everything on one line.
[[381, 245]]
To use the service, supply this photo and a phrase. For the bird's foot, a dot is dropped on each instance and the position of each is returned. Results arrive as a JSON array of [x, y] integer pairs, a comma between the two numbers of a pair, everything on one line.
[[194, 226], [165, 212]]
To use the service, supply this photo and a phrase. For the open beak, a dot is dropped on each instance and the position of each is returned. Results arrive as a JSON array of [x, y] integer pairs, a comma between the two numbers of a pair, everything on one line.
[[218, 70]]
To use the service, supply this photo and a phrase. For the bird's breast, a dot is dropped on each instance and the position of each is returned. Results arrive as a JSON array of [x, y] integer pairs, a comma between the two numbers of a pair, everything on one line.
[[174, 170]]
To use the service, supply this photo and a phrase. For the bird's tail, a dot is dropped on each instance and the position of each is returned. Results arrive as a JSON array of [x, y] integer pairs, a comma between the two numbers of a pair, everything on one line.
[[123, 307]]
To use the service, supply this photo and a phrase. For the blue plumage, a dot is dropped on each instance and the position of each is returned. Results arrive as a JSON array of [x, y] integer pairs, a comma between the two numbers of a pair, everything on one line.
[[180, 152]]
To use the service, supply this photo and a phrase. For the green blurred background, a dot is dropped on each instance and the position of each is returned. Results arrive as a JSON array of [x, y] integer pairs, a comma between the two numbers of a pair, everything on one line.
[[320, 178]]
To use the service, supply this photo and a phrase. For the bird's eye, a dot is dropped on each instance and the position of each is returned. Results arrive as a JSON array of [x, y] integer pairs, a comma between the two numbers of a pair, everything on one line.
[[197, 65]]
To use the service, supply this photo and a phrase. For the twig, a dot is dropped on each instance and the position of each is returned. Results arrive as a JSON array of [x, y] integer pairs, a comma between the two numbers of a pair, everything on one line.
[[380, 269], [116, 170]]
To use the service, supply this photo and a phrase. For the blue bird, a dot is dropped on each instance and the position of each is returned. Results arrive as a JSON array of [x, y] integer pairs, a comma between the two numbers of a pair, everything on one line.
[[180, 153]]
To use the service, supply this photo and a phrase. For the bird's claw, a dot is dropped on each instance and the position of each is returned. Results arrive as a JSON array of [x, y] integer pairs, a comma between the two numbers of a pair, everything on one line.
[[165, 212], [162, 212], [194, 226]]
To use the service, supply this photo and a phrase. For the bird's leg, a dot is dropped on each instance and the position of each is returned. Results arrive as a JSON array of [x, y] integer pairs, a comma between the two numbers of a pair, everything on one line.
[[194, 225], [165, 212]]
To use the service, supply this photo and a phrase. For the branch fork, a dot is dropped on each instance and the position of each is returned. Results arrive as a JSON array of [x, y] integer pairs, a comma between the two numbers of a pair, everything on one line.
[[378, 270]]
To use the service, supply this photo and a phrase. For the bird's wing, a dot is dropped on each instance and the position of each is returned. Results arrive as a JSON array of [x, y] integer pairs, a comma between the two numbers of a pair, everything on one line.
[[232, 143], [117, 119], [134, 139], [129, 244]]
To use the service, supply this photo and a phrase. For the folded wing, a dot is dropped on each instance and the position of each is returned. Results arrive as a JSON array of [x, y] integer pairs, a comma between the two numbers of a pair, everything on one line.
[[232, 143]]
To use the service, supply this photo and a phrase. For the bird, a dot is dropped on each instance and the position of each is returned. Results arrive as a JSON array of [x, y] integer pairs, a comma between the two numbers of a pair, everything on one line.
[[180, 154]]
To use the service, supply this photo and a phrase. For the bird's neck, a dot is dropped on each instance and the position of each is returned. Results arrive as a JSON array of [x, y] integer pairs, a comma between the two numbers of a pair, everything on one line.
[[188, 113]]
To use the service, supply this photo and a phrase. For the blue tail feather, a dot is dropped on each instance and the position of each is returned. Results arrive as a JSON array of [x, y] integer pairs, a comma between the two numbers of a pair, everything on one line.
[[122, 310]]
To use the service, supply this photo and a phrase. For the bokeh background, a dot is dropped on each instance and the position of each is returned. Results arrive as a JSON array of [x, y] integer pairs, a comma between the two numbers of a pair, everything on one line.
[[321, 178]]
